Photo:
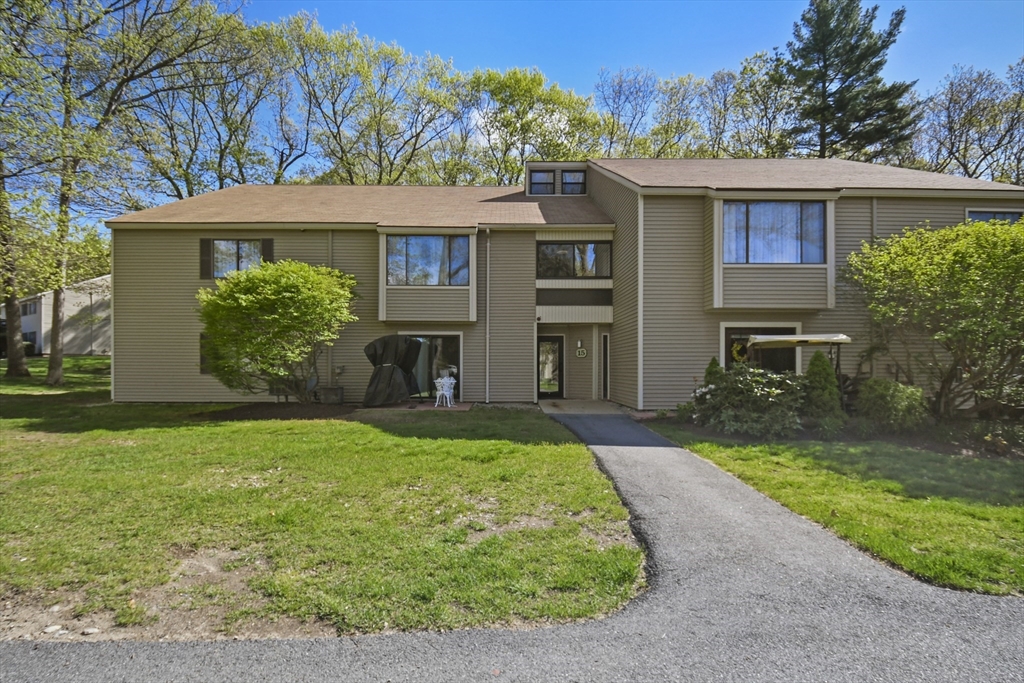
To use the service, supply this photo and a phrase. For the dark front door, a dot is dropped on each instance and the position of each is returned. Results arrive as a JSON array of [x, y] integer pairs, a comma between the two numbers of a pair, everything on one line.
[[550, 377]]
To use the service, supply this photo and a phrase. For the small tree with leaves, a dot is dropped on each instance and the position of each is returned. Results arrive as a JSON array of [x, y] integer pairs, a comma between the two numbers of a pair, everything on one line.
[[961, 291], [266, 327]]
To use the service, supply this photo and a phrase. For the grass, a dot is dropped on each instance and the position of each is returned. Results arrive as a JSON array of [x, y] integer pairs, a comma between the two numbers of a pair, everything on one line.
[[949, 520], [390, 520]]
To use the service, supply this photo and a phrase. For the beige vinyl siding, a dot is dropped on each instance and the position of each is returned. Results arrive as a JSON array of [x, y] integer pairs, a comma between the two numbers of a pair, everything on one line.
[[513, 307], [709, 253], [621, 204], [156, 327], [850, 316], [575, 235], [79, 317], [675, 339], [788, 287], [575, 314], [894, 214], [449, 304]]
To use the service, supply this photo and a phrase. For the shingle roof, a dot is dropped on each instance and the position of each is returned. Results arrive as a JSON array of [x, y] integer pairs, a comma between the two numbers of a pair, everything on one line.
[[388, 206], [786, 174]]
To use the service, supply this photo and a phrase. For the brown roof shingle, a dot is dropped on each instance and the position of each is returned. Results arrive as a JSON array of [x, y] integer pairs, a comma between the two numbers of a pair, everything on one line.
[[388, 206], [786, 174]]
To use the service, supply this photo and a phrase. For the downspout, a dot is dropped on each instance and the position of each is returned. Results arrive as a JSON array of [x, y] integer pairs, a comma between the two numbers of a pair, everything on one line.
[[874, 237], [487, 325], [330, 349]]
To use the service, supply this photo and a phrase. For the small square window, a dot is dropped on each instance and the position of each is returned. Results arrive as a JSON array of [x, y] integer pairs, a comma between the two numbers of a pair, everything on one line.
[[542, 182], [574, 182]]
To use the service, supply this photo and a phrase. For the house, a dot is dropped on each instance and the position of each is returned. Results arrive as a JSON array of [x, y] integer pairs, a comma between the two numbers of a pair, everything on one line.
[[611, 279], [86, 318]]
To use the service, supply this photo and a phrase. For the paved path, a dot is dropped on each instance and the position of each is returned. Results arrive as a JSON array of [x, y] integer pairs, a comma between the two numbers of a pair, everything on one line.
[[742, 590]]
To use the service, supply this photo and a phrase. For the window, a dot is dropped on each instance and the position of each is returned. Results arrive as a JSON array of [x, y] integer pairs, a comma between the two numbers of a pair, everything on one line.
[[29, 338], [439, 357], [428, 260], [574, 182], [776, 360], [1011, 216], [542, 182], [30, 308], [773, 232], [219, 257], [585, 259]]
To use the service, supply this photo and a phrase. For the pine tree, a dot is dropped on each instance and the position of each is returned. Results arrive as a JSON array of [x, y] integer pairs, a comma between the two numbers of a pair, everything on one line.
[[836, 60]]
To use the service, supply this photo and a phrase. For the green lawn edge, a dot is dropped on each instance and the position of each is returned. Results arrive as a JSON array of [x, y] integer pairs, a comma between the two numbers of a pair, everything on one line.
[[948, 520]]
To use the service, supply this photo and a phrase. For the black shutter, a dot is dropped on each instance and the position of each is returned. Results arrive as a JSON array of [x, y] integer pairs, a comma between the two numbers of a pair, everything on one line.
[[203, 368], [267, 250], [205, 259]]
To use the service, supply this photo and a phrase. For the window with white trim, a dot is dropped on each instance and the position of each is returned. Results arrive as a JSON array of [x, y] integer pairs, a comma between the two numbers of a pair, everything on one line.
[[1009, 216], [773, 232], [428, 260]]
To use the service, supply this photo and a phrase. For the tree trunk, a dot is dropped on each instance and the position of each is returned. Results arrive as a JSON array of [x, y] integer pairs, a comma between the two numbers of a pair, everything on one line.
[[16, 366], [55, 368]]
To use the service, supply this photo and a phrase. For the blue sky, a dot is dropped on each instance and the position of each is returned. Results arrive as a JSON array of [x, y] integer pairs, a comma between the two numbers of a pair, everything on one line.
[[570, 41]]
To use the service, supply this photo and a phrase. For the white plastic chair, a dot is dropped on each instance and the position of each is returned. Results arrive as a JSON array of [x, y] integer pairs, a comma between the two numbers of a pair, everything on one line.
[[445, 391]]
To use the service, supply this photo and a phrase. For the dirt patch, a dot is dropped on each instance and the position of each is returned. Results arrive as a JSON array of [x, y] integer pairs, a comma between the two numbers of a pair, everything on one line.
[[279, 411], [207, 598]]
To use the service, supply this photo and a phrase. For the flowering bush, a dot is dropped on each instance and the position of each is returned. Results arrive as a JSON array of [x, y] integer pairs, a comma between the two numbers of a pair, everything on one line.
[[750, 401]]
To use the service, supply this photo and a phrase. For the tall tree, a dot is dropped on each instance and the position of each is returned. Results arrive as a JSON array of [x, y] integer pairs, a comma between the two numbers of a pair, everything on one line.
[[626, 98], [970, 122], [97, 58], [765, 108], [836, 61], [716, 112]]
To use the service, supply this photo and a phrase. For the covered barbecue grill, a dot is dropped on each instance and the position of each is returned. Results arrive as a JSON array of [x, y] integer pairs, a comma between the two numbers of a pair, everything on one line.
[[393, 381]]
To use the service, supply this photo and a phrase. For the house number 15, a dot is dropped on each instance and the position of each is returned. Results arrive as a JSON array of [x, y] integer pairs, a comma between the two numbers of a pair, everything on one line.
[[581, 353]]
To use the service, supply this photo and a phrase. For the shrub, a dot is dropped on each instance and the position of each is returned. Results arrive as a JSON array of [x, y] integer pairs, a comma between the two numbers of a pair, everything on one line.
[[751, 401], [265, 327], [822, 404], [890, 407]]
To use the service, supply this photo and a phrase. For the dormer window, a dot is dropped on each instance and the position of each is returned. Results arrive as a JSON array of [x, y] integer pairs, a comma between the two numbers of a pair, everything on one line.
[[542, 182], [574, 182]]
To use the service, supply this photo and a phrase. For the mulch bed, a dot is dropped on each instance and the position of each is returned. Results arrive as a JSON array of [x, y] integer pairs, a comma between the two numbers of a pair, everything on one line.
[[279, 411]]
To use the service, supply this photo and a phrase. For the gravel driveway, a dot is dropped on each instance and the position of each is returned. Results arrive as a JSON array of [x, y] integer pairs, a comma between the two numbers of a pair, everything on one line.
[[741, 589]]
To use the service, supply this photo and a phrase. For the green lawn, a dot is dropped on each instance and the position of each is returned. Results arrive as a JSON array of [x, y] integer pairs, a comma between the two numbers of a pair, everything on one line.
[[949, 520], [393, 519]]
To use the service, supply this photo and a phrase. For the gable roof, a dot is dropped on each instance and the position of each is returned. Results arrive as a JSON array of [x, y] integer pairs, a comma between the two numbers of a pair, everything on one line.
[[382, 205], [787, 174]]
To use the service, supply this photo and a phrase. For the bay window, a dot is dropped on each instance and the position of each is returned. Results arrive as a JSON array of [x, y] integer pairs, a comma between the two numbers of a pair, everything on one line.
[[428, 260], [773, 232]]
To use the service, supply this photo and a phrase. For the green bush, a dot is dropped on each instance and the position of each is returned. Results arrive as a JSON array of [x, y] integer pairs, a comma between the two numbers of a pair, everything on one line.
[[822, 406], [751, 401], [890, 407]]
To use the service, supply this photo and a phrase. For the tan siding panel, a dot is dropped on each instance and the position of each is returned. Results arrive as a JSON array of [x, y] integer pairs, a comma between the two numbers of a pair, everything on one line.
[[574, 314], [434, 304], [709, 253], [774, 287], [894, 214], [513, 309], [621, 204], [578, 372], [156, 328]]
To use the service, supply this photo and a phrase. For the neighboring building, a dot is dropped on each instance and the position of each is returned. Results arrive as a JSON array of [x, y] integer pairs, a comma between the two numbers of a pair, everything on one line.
[[613, 278], [86, 318]]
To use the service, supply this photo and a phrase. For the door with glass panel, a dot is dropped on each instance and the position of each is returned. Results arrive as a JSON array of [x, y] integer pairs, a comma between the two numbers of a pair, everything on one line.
[[550, 377], [439, 357]]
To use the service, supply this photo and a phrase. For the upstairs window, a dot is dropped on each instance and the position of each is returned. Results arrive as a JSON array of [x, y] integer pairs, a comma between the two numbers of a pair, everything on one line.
[[773, 232], [218, 258], [582, 259], [574, 182], [542, 182], [1011, 216], [428, 260], [30, 308]]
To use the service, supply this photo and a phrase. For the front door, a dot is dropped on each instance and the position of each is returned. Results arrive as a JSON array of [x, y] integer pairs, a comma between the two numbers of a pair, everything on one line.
[[550, 377]]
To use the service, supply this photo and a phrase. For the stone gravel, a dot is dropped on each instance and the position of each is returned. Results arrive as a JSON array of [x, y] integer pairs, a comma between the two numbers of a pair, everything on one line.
[[741, 589]]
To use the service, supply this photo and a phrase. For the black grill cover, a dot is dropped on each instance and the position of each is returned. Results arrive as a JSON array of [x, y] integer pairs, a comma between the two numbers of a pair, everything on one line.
[[394, 358]]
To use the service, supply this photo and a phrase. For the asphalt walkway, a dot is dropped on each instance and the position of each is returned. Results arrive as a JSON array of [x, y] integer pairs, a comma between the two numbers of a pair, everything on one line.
[[741, 590]]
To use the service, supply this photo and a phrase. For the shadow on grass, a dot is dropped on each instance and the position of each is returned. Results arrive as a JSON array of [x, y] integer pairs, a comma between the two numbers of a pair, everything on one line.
[[919, 473], [91, 410]]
